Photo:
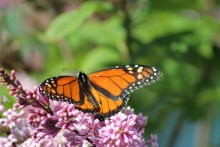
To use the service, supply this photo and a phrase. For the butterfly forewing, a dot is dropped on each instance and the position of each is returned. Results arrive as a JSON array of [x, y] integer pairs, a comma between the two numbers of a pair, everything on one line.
[[63, 88], [117, 83]]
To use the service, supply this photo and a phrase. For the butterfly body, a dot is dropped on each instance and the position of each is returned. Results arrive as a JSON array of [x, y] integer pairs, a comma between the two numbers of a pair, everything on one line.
[[84, 86], [102, 93]]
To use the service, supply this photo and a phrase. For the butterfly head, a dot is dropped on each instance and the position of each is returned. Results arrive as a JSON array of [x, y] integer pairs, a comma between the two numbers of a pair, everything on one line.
[[83, 79]]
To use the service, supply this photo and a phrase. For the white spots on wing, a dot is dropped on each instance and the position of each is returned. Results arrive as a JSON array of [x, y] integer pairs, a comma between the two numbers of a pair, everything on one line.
[[127, 66], [154, 69], [139, 70], [130, 72], [140, 76], [141, 67], [48, 85]]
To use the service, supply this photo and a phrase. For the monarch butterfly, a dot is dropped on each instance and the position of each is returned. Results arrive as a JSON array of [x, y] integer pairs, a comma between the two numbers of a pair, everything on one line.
[[103, 92]]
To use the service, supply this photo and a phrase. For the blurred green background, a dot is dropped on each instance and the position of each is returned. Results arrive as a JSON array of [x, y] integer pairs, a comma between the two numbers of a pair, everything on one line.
[[43, 38]]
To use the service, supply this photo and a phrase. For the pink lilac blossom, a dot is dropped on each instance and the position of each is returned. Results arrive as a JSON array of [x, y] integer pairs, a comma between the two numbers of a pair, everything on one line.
[[58, 141], [153, 140], [7, 141], [36, 121], [15, 125], [35, 117], [121, 130]]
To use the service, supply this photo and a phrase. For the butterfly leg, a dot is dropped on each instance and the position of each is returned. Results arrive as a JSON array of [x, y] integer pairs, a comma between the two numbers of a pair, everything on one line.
[[99, 116]]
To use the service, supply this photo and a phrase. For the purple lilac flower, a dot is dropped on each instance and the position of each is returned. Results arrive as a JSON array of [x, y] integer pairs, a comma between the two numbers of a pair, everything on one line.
[[58, 141], [68, 116], [85, 132], [153, 141], [35, 117], [7, 141], [25, 97], [121, 130], [22, 130], [47, 129], [11, 117], [36, 121], [15, 124]]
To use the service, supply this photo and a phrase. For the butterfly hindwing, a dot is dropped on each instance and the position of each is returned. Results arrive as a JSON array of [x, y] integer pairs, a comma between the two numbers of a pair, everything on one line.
[[107, 106]]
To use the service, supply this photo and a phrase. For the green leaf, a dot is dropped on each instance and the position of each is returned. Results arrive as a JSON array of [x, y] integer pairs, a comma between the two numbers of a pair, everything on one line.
[[205, 50], [159, 24], [69, 22], [108, 32], [98, 58]]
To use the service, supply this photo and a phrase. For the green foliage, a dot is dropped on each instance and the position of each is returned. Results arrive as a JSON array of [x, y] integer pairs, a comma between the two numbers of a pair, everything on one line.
[[69, 22], [99, 55]]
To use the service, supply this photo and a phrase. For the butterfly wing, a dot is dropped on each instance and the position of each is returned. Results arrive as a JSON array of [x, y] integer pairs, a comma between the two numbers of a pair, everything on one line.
[[107, 106], [63, 88], [116, 83], [111, 107]]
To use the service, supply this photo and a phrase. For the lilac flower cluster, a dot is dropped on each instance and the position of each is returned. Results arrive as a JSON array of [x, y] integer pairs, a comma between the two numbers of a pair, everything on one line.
[[14, 125], [36, 121]]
